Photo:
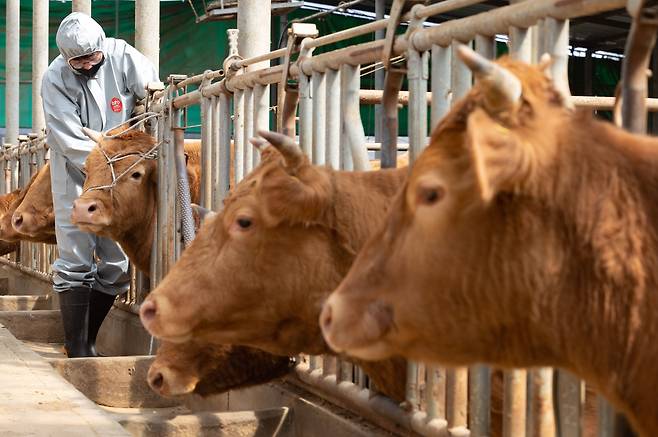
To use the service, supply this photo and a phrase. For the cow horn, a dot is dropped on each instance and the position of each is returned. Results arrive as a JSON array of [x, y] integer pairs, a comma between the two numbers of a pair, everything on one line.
[[258, 143], [94, 135], [502, 89], [285, 145]]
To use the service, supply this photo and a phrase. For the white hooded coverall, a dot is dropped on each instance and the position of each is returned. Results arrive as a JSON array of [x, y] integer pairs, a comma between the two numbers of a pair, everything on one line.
[[72, 100]]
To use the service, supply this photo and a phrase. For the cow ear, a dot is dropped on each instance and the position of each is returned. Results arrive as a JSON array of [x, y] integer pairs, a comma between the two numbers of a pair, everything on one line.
[[500, 159]]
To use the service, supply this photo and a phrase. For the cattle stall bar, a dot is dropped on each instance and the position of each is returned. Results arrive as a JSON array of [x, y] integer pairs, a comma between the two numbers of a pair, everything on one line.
[[21, 162], [455, 402]]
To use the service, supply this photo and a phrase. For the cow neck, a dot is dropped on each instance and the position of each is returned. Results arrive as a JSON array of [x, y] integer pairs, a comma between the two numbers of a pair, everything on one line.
[[361, 200], [609, 188], [138, 241]]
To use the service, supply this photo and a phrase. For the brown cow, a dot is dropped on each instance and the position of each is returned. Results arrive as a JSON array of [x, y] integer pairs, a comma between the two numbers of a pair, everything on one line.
[[271, 255], [126, 212], [527, 235], [207, 369], [45, 234], [35, 216]]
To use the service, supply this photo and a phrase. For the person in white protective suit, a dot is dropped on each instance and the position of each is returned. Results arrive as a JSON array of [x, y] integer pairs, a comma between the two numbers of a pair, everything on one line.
[[94, 83]]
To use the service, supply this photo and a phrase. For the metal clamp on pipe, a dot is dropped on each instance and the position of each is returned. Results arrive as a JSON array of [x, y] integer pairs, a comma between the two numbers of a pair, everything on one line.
[[230, 64], [155, 96], [288, 91]]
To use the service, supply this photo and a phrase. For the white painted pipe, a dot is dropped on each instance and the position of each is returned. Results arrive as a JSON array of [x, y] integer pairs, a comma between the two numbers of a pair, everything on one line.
[[39, 60], [147, 29], [83, 6], [254, 25], [12, 62]]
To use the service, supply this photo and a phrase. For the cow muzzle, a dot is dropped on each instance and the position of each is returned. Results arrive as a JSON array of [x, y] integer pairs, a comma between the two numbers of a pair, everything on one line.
[[88, 212], [350, 328], [167, 382], [159, 318]]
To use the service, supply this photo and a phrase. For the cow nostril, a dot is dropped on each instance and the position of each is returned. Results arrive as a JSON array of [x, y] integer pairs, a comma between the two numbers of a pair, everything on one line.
[[325, 323], [157, 381], [92, 208], [148, 311], [18, 220]]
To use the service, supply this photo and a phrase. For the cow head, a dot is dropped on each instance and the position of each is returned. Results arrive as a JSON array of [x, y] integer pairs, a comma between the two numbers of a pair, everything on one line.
[[437, 281], [113, 207], [263, 258], [8, 203], [208, 369], [35, 216], [12, 201]]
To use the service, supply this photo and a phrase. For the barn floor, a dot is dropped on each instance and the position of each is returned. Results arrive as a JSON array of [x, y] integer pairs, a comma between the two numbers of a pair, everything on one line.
[[44, 393]]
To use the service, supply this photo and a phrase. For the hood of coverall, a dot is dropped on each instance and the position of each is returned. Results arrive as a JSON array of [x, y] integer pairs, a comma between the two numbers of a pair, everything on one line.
[[79, 35]]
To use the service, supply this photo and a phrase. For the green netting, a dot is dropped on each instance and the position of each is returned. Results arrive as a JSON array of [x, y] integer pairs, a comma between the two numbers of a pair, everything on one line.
[[190, 48]]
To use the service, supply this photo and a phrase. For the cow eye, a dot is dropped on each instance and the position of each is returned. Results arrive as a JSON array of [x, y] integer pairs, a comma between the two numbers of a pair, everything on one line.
[[136, 175], [430, 195], [244, 223]]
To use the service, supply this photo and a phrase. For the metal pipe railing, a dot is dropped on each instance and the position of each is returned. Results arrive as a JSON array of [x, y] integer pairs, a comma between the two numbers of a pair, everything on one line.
[[331, 132]]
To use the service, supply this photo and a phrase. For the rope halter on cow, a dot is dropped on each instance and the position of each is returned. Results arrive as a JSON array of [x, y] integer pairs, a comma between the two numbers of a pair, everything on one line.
[[110, 160]]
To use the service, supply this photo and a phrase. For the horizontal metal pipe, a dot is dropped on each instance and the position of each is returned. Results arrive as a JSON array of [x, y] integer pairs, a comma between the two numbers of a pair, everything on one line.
[[199, 77], [374, 97], [500, 20], [47, 277], [423, 12], [372, 407], [260, 58]]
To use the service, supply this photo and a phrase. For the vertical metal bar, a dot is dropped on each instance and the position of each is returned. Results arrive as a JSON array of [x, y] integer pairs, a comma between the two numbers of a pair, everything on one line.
[[182, 186], [328, 365], [238, 133], [456, 397], [485, 46], [319, 92], [306, 115], [605, 417], [223, 162], [460, 75], [541, 422], [333, 118], [441, 83], [207, 146], [12, 66], [83, 6], [411, 389], [568, 404], [514, 403], [556, 40], [260, 117], [435, 393], [418, 73], [248, 130], [520, 44], [479, 401], [39, 60], [380, 10], [147, 29], [354, 135], [156, 249]]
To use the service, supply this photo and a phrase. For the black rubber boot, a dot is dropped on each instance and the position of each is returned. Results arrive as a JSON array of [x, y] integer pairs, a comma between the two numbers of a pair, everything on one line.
[[99, 305], [74, 306]]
